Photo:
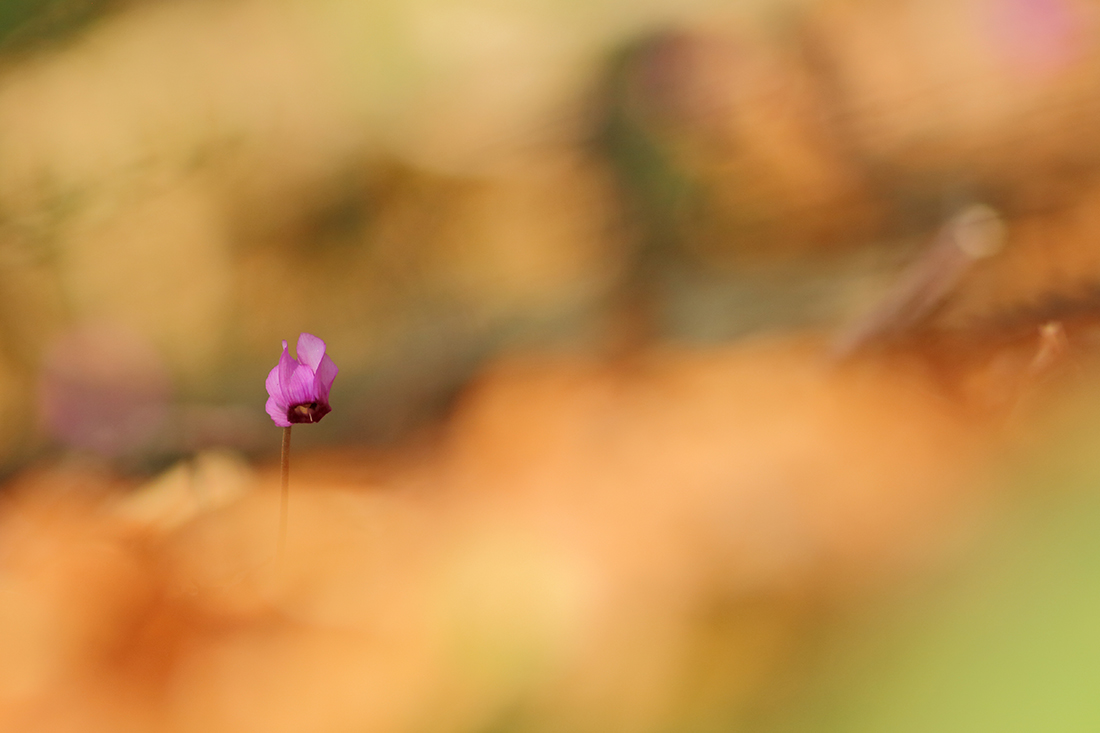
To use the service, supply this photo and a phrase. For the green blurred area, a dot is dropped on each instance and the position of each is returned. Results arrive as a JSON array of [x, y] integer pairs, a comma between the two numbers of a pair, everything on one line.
[[26, 22], [1007, 638]]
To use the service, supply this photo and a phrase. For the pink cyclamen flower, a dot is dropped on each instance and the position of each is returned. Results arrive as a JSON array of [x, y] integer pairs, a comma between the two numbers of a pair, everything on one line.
[[299, 388]]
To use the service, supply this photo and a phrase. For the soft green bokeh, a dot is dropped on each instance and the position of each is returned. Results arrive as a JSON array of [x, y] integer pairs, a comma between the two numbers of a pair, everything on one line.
[[1007, 641]]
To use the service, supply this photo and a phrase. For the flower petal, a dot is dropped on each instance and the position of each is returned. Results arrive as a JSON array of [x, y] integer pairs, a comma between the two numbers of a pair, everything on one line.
[[287, 365], [310, 350], [274, 389], [326, 373], [302, 387], [277, 413]]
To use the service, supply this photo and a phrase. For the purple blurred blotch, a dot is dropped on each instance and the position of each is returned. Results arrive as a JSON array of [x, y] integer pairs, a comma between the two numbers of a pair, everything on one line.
[[104, 389]]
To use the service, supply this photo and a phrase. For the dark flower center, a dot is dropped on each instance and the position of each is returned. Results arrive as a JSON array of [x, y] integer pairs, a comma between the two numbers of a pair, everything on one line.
[[307, 412]]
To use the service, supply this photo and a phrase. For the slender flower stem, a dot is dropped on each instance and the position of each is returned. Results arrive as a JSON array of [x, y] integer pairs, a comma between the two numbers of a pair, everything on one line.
[[285, 465]]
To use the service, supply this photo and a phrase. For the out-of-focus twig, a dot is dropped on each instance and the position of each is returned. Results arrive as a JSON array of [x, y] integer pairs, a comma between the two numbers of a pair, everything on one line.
[[975, 233]]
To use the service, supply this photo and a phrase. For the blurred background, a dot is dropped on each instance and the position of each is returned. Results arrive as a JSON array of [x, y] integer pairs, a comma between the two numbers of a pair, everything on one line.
[[704, 366]]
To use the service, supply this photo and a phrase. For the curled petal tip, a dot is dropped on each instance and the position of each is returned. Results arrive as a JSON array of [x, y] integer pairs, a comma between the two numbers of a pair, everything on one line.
[[310, 350]]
